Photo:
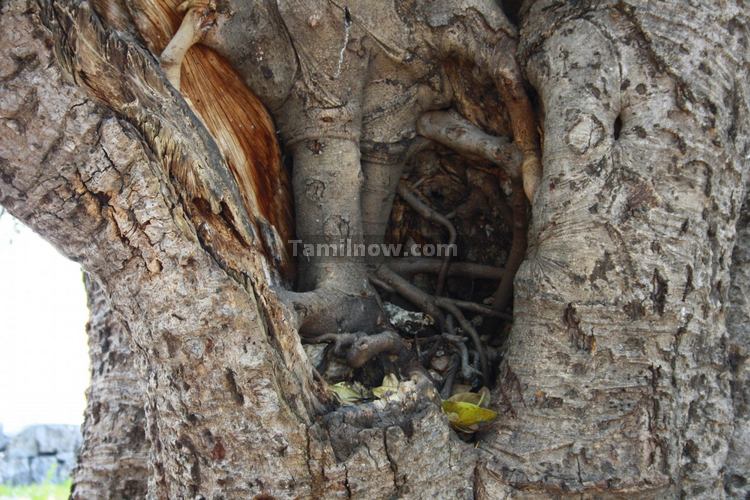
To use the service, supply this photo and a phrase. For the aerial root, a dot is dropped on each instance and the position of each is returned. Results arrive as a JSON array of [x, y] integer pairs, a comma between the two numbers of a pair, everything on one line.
[[514, 159], [431, 215], [504, 292], [357, 348], [510, 81], [457, 133]]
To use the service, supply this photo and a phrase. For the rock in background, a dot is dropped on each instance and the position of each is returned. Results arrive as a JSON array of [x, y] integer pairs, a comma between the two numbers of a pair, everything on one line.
[[4, 440], [39, 453]]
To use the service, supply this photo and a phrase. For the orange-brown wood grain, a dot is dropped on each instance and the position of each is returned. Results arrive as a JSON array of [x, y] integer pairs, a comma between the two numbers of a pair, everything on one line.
[[237, 120]]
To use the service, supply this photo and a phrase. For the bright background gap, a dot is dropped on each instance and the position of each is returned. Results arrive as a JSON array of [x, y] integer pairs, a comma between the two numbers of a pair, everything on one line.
[[44, 365]]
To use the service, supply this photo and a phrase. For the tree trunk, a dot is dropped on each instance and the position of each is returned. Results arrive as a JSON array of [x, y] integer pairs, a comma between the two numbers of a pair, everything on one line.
[[617, 366], [621, 375], [113, 461], [736, 481]]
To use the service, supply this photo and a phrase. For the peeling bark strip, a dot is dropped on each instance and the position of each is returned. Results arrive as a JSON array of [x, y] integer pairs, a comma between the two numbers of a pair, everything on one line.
[[129, 80], [239, 123]]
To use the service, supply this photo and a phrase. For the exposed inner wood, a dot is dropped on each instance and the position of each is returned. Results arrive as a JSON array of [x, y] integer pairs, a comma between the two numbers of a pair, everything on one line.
[[238, 122]]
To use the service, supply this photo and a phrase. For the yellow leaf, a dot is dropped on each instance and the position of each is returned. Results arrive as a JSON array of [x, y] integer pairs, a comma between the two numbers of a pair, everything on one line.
[[390, 380], [467, 417], [481, 398], [389, 387], [350, 393]]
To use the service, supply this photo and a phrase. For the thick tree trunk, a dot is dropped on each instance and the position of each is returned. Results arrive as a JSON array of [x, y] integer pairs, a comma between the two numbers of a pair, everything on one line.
[[737, 475], [113, 461], [617, 368], [617, 376]]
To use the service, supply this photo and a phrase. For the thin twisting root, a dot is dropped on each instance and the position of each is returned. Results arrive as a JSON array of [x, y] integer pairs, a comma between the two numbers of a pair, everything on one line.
[[432, 215], [504, 291], [467, 371], [416, 296], [432, 305], [469, 329], [388, 280], [477, 308], [450, 377], [417, 265]]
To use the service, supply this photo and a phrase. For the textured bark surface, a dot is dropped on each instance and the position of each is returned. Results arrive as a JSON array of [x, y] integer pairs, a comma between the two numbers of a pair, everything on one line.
[[619, 347], [85, 180], [113, 461], [737, 476], [617, 379], [231, 402]]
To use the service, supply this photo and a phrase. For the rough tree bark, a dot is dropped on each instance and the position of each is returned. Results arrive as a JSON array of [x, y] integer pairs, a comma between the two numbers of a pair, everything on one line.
[[738, 326], [621, 376], [114, 455], [619, 332]]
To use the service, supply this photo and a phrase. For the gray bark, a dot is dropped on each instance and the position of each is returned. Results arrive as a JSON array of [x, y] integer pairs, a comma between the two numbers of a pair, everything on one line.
[[617, 379], [228, 384], [736, 480], [113, 461], [619, 345]]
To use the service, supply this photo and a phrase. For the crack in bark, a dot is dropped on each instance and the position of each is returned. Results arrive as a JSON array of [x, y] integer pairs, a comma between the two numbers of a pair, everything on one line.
[[234, 389], [347, 486], [572, 321], [683, 87], [391, 462], [659, 291], [315, 490]]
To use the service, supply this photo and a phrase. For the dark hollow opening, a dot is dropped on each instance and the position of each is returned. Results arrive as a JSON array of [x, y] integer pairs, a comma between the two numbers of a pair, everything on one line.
[[617, 127]]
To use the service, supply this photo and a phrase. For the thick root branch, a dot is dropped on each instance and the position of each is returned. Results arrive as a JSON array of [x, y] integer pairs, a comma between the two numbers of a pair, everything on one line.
[[417, 265], [455, 132], [358, 348], [510, 81], [328, 310], [367, 347]]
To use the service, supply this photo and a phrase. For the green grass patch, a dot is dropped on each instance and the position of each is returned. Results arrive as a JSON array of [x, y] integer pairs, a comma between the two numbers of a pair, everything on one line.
[[45, 491]]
